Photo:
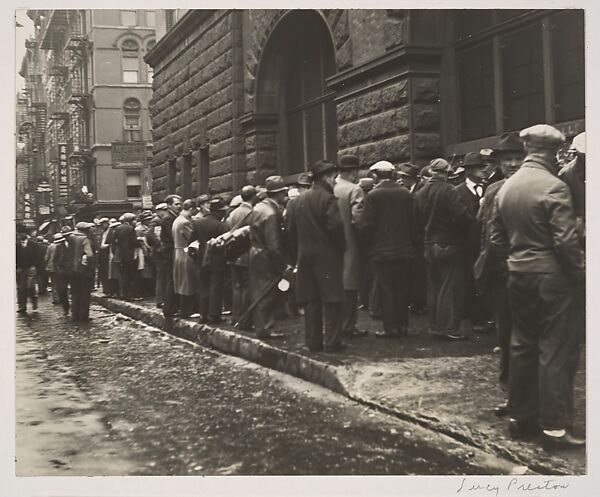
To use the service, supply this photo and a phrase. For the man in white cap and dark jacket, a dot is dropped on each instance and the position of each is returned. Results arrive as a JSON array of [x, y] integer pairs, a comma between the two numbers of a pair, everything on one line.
[[534, 223]]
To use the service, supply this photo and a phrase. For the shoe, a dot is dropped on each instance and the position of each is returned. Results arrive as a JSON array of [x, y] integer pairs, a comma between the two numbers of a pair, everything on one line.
[[195, 315], [386, 334], [501, 410], [215, 320], [452, 336], [363, 307], [136, 299], [355, 333], [481, 330], [523, 429], [65, 313], [34, 305], [564, 442], [86, 320], [335, 349]]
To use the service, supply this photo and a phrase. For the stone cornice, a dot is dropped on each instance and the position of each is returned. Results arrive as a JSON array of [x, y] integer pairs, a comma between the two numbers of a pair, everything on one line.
[[178, 33]]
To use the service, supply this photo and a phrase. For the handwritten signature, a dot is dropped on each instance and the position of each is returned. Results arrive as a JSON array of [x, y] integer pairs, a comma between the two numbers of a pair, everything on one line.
[[514, 485]]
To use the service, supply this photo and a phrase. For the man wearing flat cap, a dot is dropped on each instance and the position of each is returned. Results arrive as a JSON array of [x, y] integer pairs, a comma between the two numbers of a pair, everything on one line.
[[83, 264], [350, 202], [388, 225], [210, 267], [124, 244], [267, 259], [318, 243], [444, 221], [185, 274], [534, 223], [490, 270], [573, 174]]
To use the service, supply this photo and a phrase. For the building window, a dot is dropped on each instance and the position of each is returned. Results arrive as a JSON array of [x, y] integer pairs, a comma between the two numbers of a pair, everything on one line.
[[133, 183], [516, 68], [130, 61], [522, 78], [128, 18], [131, 120], [568, 65], [150, 18]]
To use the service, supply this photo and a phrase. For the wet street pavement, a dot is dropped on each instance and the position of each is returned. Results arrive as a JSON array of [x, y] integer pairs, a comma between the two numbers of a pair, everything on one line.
[[116, 397]]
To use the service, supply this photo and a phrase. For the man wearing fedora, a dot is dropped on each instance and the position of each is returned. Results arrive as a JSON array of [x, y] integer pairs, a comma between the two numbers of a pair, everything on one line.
[[471, 192], [82, 260], [444, 221], [124, 245], [185, 275], [210, 270], [490, 269], [318, 242], [408, 176], [350, 198], [173, 209], [267, 260], [389, 226], [534, 222]]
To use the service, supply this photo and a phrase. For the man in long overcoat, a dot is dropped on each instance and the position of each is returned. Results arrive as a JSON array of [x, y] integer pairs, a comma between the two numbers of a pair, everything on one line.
[[83, 264], [350, 202], [317, 235], [388, 224], [170, 304], [124, 245], [490, 269], [267, 261], [210, 267], [535, 223], [444, 221], [184, 272], [471, 192]]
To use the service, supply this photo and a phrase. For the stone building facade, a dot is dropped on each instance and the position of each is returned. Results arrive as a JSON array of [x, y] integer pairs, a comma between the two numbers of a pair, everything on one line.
[[240, 94]]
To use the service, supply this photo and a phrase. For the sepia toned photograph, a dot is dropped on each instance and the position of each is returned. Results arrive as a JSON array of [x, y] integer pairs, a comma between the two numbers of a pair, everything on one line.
[[300, 242]]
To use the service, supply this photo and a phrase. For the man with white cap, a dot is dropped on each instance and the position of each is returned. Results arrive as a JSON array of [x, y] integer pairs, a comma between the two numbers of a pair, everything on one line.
[[444, 221], [124, 243], [82, 260], [388, 225], [534, 223], [61, 269]]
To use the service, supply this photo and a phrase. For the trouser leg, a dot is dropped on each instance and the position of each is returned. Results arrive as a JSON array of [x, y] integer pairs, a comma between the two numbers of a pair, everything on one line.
[[332, 320], [170, 303], [264, 317], [313, 325], [401, 274], [375, 295], [503, 319], [523, 394], [62, 288], [216, 286], [349, 311], [385, 279], [87, 284], [76, 290]]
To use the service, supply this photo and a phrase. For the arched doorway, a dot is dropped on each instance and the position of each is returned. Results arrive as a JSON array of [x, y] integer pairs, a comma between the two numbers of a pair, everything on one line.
[[291, 87]]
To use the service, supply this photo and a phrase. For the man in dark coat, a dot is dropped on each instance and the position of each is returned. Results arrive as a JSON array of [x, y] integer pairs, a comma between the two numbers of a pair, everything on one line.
[[411, 179], [388, 223], [42, 273], [211, 266], [82, 258], [61, 270], [444, 221], [27, 261], [490, 269], [535, 223], [317, 236], [471, 192], [125, 243], [168, 253], [103, 255], [239, 218], [267, 261]]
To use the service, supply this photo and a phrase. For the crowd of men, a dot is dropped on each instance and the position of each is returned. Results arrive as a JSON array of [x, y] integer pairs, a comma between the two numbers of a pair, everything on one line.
[[498, 241]]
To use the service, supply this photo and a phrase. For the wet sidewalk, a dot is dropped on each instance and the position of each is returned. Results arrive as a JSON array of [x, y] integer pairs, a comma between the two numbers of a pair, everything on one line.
[[450, 387]]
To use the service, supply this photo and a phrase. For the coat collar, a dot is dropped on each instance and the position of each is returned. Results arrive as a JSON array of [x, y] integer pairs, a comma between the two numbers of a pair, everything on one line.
[[322, 185], [537, 161]]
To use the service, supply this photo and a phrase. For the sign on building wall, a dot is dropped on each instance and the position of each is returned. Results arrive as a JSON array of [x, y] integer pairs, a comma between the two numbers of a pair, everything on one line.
[[63, 171], [129, 154], [28, 209]]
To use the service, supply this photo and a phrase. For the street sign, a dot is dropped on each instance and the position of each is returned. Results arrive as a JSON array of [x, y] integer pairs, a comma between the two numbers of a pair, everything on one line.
[[44, 210], [128, 154], [63, 171]]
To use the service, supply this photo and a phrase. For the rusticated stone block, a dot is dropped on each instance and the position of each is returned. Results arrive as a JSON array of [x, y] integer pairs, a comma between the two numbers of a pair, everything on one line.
[[426, 117], [395, 95], [343, 55], [221, 149], [358, 131], [393, 31], [159, 169], [395, 149], [427, 146], [425, 89], [220, 184], [219, 167], [369, 104], [346, 111], [342, 136]]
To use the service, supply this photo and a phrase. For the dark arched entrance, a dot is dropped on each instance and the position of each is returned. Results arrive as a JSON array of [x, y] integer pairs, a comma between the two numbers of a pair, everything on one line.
[[291, 88]]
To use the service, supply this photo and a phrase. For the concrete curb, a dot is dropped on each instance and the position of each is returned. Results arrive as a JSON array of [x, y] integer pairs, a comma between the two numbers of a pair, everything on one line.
[[311, 370], [232, 343]]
